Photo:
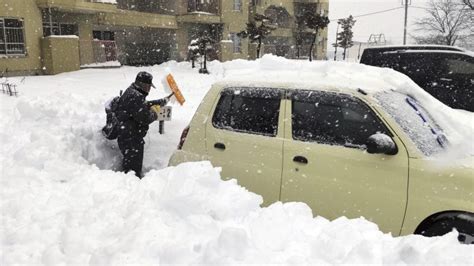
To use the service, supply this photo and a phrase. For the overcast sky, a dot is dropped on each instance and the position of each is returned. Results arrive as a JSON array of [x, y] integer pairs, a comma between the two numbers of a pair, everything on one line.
[[389, 23]]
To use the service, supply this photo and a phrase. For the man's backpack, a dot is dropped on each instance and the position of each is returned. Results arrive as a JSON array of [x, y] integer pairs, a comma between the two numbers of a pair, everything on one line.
[[111, 128]]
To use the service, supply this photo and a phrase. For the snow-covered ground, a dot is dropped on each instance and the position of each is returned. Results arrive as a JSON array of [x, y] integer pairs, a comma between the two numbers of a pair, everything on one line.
[[61, 203]]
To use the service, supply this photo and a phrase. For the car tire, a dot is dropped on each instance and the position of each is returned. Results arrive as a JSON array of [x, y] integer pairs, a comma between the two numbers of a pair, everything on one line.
[[465, 227]]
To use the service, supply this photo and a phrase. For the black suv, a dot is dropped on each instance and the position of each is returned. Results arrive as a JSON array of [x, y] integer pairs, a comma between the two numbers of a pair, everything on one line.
[[445, 72]]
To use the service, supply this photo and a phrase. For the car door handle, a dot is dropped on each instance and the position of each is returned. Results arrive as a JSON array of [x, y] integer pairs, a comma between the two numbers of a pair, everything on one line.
[[300, 159], [219, 146]]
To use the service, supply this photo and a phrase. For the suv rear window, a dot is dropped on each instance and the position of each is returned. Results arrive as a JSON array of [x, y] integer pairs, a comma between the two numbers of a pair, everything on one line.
[[248, 110]]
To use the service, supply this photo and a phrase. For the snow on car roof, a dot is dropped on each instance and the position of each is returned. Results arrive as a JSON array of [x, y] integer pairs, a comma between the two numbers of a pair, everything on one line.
[[324, 75]]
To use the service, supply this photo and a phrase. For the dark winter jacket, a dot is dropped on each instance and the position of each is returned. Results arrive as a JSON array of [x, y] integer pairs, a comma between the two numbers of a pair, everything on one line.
[[134, 113]]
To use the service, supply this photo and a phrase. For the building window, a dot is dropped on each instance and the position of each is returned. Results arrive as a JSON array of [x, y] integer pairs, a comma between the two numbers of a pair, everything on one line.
[[237, 5], [103, 35], [237, 42], [255, 2], [12, 40], [50, 29], [55, 28], [68, 29]]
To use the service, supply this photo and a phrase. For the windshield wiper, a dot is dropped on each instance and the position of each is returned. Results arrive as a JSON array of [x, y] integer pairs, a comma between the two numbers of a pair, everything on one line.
[[440, 137]]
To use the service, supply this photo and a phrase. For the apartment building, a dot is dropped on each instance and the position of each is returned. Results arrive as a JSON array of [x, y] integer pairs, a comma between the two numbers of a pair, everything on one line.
[[54, 36]]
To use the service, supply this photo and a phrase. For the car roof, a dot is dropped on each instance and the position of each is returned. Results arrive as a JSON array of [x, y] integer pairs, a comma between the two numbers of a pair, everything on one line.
[[290, 86], [416, 47], [428, 52], [361, 90]]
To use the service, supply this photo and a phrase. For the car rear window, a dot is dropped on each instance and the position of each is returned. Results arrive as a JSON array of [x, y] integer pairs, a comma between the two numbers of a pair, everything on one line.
[[248, 110]]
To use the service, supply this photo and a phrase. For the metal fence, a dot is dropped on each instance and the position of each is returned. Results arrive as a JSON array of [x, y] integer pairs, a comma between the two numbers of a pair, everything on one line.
[[9, 89]]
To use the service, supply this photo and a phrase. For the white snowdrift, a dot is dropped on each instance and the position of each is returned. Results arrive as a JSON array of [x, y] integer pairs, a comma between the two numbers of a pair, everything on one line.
[[61, 203]]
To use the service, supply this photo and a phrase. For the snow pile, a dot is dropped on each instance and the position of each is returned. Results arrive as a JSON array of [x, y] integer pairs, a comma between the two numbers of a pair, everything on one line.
[[184, 215], [108, 64], [61, 203], [106, 1]]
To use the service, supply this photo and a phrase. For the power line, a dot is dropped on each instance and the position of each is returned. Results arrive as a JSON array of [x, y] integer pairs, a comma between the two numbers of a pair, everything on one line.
[[420, 7], [377, 12]]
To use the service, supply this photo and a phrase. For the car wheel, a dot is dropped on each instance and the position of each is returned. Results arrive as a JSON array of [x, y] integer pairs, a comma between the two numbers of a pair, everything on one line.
[[465, 227]]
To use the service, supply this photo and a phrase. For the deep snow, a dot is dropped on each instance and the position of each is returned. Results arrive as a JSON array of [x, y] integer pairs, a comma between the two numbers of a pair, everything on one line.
[[62, 204]]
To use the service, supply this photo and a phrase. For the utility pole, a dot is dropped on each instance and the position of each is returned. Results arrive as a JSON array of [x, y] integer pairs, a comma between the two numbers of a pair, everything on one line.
[[358, 55], [406, 21], [335, 45]]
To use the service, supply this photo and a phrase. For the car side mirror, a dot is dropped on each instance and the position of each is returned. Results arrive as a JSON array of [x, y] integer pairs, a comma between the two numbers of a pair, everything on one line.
[[381, 144]]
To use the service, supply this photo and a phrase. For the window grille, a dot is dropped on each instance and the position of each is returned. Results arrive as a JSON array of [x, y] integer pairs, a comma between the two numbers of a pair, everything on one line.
[[12, 40]]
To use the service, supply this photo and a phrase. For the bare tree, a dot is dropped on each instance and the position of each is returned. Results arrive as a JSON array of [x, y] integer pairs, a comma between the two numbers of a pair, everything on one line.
[[257, 30], [201, 47], [316, 23], [469, 3], [446, 22]]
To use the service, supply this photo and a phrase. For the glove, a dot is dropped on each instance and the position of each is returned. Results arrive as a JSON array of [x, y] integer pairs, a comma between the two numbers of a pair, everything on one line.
[[156, 108], [165, 101]]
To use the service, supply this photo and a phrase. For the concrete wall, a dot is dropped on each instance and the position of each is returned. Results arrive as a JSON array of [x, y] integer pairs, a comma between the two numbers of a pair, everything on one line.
[[60, 54], [85, 24], [235, 22], [30, 63]]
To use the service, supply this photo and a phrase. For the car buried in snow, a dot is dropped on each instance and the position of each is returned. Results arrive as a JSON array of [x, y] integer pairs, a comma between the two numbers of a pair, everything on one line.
[[344, 152]]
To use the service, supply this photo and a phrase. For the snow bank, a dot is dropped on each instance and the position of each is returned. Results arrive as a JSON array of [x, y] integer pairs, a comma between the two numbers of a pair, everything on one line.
[[184, 215], [61, 203]]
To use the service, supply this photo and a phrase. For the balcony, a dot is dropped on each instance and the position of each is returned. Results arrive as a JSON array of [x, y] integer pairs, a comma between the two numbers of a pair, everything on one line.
[[78, 6], [202, 12], [204, 7]]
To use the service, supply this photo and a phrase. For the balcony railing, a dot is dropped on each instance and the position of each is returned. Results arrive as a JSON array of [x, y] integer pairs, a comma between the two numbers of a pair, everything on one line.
[[205, 6]]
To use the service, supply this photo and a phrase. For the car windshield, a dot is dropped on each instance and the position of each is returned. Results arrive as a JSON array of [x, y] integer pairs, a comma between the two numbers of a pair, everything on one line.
[[417, 123]]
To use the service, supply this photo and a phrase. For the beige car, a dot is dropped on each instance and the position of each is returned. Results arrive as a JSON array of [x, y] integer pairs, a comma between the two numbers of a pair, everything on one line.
[[343, 152]]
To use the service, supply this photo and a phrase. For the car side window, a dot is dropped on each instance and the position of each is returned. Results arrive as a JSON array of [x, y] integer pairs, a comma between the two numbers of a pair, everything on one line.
[[332, 118], [419, 64], [248, 110], [459, 65]]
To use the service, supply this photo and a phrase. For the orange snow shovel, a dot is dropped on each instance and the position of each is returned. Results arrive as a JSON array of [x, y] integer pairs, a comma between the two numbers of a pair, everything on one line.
[[174, 88]]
